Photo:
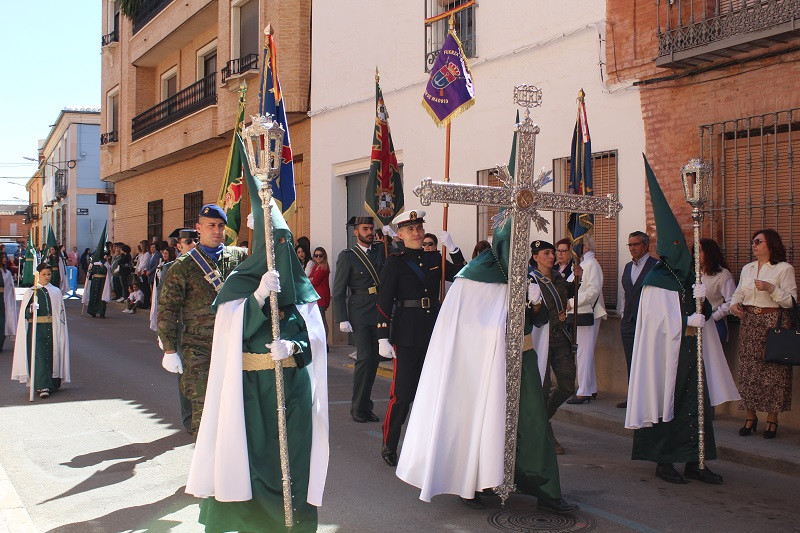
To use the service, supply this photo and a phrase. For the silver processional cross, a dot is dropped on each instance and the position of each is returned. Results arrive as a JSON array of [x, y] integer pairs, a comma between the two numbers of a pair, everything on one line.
[[520, 196]]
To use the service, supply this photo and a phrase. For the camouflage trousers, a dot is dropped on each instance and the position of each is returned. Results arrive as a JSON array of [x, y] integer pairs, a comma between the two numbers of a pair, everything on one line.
[[196, 363], [562, 362]]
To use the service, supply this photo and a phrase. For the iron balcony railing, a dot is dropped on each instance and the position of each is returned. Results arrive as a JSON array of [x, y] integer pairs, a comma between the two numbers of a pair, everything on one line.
[[31, 213], [110, 137], [709, 29], [193, 98], [436, 30], [109, 38], [239, 66], [148, 12], [60, 183]]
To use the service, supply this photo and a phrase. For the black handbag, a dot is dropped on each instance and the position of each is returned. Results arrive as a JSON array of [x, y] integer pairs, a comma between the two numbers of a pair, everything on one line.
[[783, 344]]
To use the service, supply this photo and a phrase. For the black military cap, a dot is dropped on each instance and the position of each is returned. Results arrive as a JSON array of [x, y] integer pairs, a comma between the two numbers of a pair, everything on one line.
[[175, 234], [355, 221], [189, 234], [538, 246]]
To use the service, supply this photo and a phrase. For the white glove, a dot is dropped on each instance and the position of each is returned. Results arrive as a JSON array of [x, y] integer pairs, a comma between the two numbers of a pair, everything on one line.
[[34, 306], [251, 221], [387, 230], [725, 308], [385, 348], [172, 363], [280, 350], [446, 240], [534, 293], [696, 320], [718, 314], [270, 282], [699, 291], [345, 327]]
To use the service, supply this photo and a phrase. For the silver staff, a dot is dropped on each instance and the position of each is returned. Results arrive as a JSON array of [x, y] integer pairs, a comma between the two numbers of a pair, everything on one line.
[[263, 144]]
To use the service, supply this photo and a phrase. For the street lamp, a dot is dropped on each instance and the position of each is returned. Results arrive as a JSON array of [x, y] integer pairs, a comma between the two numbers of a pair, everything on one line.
[[696, 177]]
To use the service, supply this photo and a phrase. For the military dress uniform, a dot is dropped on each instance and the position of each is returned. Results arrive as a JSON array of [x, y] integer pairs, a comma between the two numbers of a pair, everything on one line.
[[185, 297], [408, 303], [354, 293], [556, 292]]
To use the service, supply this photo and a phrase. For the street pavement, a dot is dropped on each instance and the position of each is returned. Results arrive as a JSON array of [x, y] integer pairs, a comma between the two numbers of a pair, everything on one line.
[[108, 453]]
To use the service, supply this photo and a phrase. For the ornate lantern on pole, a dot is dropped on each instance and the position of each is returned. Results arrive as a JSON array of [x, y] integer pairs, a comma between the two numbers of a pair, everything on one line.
[[263, 145], [696, 177]]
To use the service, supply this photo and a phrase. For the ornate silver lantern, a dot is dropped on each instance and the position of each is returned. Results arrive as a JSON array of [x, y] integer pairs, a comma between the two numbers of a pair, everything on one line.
[[263, 144]]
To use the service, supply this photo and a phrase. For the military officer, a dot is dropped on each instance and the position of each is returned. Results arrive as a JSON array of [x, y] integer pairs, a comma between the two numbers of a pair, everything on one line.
[[408, 304], [552, 310], [355, 290], [185, 318]]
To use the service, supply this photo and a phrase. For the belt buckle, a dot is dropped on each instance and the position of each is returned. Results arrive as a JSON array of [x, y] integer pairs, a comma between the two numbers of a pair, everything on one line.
[[372, 290], [426, 303]]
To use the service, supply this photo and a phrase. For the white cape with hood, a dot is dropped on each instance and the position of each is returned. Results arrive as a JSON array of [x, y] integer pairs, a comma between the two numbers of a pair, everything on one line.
[[10, 303], [659, 330], [87, 289], [63, 284], [19, 368], [220, 466], [455, 440]]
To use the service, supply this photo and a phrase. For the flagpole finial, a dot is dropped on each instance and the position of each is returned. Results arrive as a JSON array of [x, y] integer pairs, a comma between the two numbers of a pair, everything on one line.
[[268, 30], [581, 94], [377, 76], [451, 22]]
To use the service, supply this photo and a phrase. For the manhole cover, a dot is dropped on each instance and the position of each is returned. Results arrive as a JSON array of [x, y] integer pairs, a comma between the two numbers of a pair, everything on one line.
[[531, 520]]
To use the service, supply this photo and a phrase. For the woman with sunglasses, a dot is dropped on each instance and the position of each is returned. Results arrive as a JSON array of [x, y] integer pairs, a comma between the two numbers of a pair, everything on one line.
[[319, 276], [765, 285]]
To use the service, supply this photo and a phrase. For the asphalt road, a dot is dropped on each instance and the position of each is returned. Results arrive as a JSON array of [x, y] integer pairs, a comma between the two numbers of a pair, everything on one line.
[[107, 453]]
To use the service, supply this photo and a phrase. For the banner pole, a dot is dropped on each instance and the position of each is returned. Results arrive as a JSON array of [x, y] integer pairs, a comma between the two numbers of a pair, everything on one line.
[[444, 220]]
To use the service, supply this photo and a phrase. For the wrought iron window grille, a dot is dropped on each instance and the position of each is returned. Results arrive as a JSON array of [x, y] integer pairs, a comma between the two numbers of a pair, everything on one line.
[[196, 96], [754, 183], [236, 67], [436, 32], [112, 137]]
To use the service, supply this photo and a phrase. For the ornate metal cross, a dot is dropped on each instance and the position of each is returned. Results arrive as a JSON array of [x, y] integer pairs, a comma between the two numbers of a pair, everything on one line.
[[521, 197]]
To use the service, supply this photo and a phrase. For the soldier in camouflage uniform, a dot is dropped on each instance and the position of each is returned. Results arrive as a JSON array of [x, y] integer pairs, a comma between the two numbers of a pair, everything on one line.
[[186, 295]]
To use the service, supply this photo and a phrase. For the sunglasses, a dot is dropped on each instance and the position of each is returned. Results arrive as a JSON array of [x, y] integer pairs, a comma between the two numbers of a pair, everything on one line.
[[319, 255], [428, 243], [756, 242]]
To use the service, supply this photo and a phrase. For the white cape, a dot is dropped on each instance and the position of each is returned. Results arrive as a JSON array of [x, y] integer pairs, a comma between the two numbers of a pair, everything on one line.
[[62, 272], [651, 388], [455, 440], [87, 288], [19, 368], [10, 303], [220, 467]]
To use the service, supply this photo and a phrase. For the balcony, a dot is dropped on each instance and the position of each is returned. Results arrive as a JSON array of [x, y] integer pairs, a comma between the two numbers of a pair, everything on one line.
[[697, 32], [237, 67], [110, 138], [31, 213], [148, 11], [191, 99], [110, 38]]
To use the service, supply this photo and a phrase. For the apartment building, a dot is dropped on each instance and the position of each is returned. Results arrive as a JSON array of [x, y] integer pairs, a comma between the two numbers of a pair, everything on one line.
[[170, 81], [64, 190]]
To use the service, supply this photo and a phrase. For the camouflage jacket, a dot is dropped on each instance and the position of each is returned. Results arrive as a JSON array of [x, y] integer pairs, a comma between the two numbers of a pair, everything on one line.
[[185, 298]]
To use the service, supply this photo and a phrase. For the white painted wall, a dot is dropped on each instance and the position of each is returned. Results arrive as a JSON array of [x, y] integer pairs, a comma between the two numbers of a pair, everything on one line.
[[554, 44]]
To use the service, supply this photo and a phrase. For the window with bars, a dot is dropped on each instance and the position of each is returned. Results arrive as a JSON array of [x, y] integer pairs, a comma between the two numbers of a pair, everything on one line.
[[754, 181], [436, 26], [192, 202], [606, 231], [155, 216]]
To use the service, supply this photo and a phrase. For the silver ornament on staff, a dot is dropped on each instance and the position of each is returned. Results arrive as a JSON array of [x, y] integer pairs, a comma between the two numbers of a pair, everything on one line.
[[696, 177], [522, 197], [263, 144]]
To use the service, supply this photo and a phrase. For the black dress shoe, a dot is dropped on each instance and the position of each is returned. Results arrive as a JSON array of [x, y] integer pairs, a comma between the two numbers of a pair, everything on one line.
[[557, 505], [693, 471], [473, 503], [577, 400], [93, 315], [623, 405], [369, 416], [358, 417], [390, 456], [668, 473]]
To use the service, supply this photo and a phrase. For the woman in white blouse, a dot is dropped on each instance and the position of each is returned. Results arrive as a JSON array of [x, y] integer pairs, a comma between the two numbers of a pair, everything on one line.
[[719, 284], [766, 285]]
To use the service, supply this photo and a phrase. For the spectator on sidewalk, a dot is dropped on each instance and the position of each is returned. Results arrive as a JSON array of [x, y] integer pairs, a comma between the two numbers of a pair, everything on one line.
[[135, 300]]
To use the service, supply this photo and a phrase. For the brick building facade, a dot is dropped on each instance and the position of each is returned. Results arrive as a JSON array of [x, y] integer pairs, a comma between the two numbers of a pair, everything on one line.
[[170, 78], [718, 79]]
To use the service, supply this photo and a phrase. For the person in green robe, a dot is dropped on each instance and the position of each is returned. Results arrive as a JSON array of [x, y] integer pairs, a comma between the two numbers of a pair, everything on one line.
[[29, 265], [240, 402], [51, 346], [98, 292], [455, 440]]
